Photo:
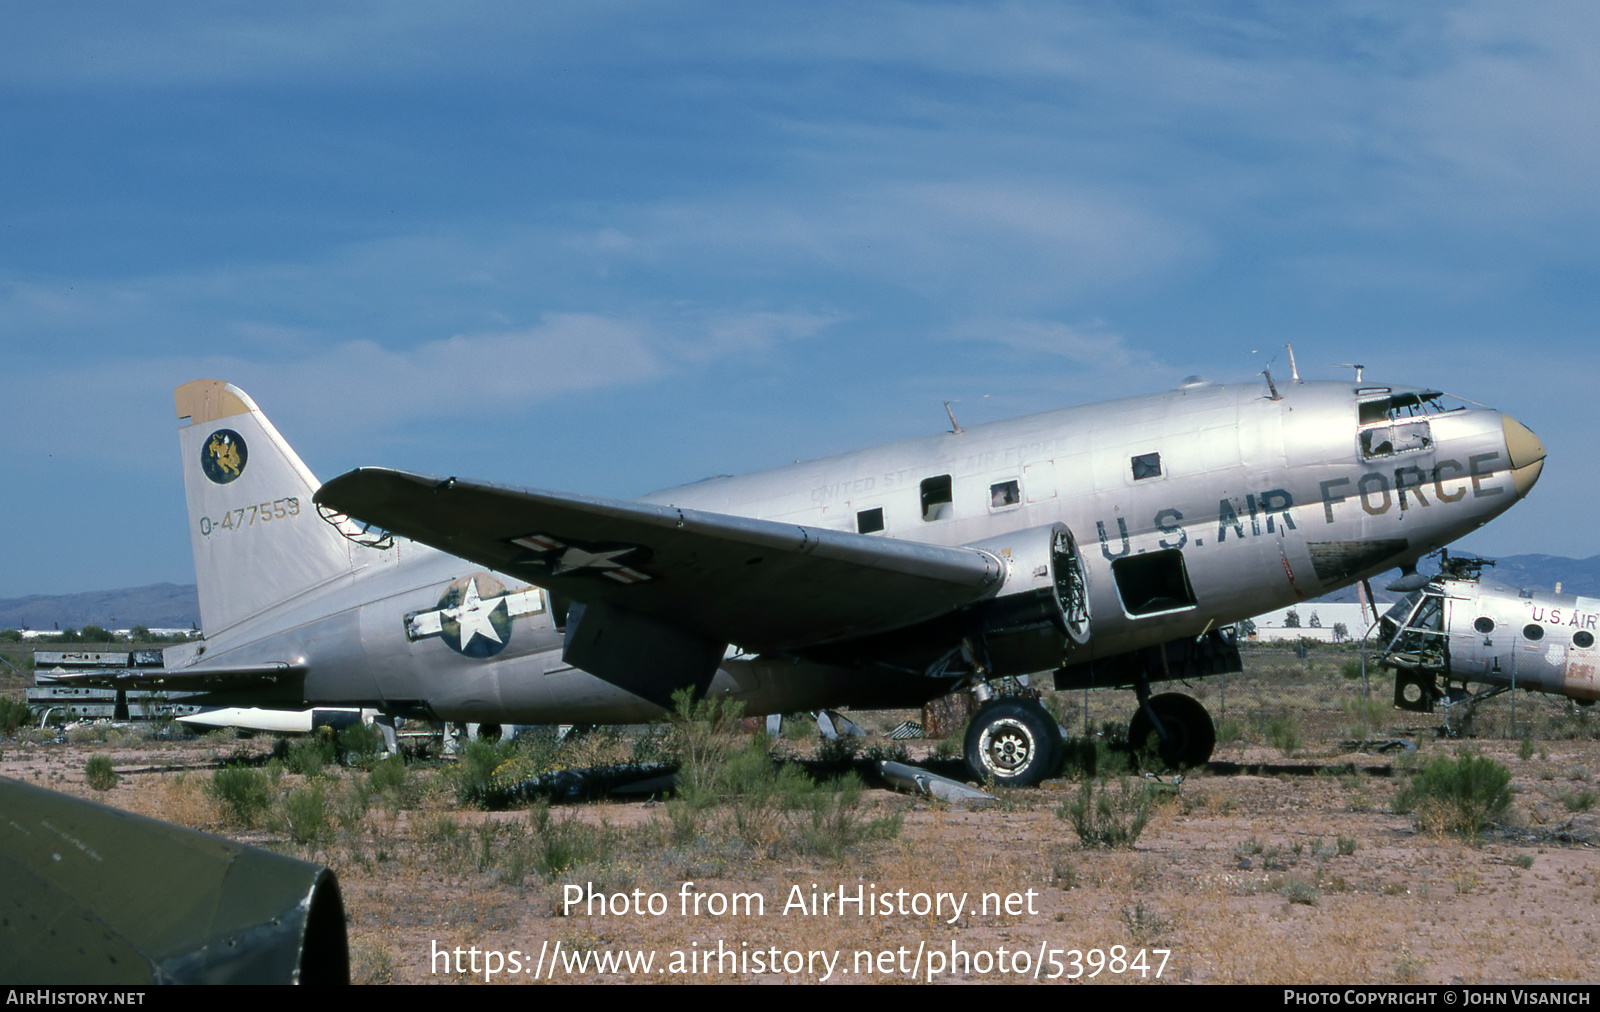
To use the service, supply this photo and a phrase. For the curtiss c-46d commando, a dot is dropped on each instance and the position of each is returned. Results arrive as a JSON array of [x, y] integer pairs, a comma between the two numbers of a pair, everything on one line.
[[1109, 545]]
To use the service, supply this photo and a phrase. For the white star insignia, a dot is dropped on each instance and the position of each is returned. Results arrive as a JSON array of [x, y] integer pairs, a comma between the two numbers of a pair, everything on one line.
[[473, 615]]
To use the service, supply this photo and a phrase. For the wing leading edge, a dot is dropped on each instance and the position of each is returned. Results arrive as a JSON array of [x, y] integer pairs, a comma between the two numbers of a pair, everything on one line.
[[759, 584]]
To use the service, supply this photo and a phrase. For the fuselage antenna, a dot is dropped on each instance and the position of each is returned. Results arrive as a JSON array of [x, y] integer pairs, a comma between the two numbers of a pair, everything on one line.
[[1294, 370], [1267, 372], [955, 426]]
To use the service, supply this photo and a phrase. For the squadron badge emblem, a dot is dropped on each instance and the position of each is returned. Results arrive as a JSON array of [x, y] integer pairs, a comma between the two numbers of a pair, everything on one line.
[[223, 456]]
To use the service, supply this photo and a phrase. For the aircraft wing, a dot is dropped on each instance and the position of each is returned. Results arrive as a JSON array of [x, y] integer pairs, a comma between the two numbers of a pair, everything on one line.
[[95, 895], [757, 583]]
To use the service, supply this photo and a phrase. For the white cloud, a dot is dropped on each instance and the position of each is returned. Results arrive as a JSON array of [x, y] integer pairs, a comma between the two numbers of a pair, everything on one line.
[[362, 388]]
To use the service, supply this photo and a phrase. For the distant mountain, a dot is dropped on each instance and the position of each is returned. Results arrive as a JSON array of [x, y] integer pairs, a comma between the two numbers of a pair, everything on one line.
[[159, 606], [1537, 572], [1543, 572], [168, 606]]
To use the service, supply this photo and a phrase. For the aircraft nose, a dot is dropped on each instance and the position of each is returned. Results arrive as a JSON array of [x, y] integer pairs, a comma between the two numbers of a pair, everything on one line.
[[1525, 452]]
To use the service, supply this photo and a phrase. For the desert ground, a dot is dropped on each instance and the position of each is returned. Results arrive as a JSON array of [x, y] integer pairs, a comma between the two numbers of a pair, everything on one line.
[[1281, 861]]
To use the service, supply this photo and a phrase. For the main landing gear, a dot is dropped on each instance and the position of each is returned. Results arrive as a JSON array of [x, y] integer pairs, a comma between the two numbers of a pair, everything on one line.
[[1184, 733], [1013, 742]]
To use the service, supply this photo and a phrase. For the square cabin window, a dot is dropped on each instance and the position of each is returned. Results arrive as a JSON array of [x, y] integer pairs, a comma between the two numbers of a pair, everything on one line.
[[1146, 465], [1004, 494], [936, 497], [869, 521]]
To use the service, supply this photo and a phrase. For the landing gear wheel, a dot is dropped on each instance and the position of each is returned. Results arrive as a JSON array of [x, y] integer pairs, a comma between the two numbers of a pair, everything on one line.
[[1192, 737], [1013, 742]]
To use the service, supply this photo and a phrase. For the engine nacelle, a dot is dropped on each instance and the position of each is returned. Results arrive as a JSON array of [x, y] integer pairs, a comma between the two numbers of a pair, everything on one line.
[[1040, 616]]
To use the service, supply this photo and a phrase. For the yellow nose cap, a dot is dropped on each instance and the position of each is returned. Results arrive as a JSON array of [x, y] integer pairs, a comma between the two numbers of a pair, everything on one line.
[[1522, 446], [1523, 478]]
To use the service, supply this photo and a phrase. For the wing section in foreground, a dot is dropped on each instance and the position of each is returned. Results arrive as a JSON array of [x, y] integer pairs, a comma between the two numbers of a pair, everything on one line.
[[145, 669], [759, 584]]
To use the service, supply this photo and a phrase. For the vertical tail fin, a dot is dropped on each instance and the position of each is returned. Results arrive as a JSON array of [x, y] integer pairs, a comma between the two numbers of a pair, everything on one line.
[[257, 537]]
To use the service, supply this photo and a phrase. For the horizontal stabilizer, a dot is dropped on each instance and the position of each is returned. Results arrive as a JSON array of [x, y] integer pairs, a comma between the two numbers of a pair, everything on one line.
[[134, 670]]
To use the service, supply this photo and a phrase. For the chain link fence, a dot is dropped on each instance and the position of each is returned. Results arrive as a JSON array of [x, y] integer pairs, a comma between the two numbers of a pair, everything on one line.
[[1312, 697]]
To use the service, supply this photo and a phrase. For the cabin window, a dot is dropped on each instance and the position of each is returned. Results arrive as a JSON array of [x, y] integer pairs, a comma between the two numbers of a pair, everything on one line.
[[1583, 638], [869, 521], [1146, 465], [1003, 494], [936, 497], [1533, 631], [1153, 582], [1485, 624]]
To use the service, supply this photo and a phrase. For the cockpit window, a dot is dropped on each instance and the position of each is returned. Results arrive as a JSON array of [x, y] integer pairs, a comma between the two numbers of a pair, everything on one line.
[[1392, 438], [1396, 423], [1393, 407]]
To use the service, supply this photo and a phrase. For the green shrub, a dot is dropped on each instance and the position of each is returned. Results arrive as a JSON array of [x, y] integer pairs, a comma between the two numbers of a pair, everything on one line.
[[393, 784], [893, 752], [831, 825], [98, 774], [305, 814], [360, 745], [1581, 801], [1283, 734], [1102, 819], [1463, 795], [1298, 890], [485, 771], [13, 714], [1525, 748], [350, 808], [1229, 732], [1365, 715], [561, 844], [770, 806], [310, 754], [840, 751], [243, 794]]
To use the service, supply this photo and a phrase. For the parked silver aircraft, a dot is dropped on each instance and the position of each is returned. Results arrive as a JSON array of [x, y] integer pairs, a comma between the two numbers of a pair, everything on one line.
[[1108, 544], [1460, 629]]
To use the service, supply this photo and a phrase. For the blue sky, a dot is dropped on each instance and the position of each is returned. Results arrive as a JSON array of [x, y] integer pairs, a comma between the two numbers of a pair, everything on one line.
[[610, 247]]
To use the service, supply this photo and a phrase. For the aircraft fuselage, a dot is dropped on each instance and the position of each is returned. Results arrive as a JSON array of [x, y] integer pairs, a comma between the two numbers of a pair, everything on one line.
[[1189, 510]]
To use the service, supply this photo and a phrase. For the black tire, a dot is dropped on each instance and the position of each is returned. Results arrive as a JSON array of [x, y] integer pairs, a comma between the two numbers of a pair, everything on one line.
[[1192, 736], [1013, 743]]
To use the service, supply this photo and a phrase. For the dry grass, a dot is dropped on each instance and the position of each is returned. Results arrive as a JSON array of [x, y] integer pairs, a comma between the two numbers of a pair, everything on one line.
[[1266, 869]]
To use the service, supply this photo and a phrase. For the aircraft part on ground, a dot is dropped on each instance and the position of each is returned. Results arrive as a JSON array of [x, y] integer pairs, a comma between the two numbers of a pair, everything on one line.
[[930, 785], [96, 895]]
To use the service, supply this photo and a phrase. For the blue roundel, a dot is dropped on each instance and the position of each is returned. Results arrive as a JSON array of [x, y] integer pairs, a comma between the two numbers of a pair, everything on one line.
[[223, 456]]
